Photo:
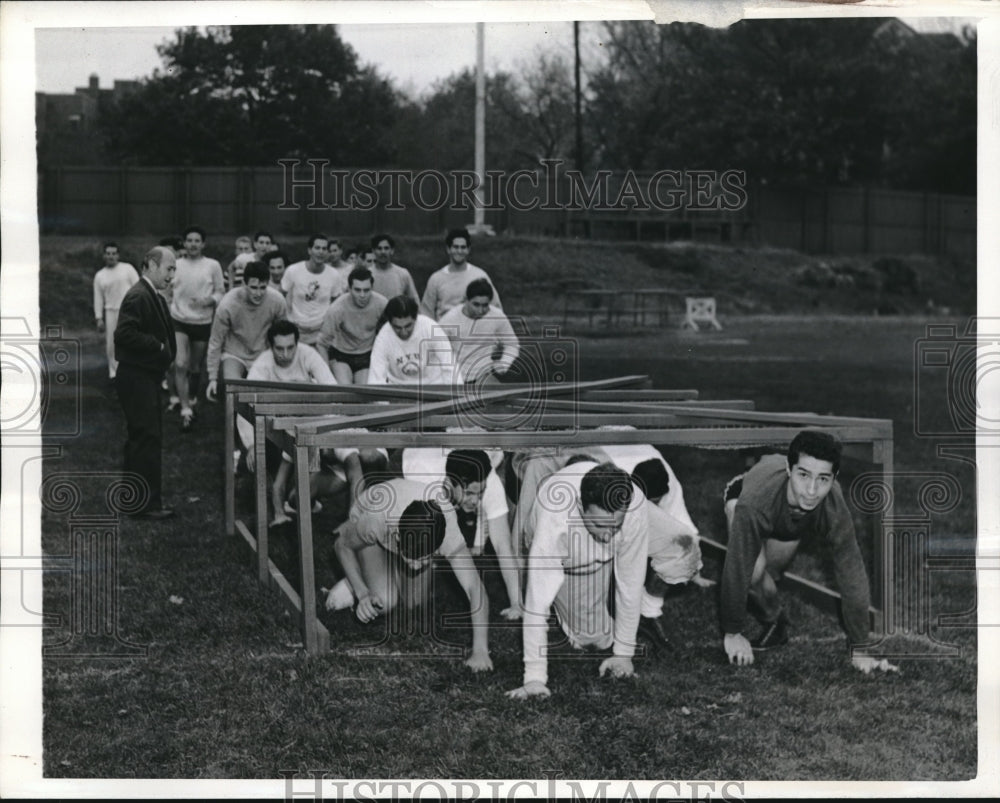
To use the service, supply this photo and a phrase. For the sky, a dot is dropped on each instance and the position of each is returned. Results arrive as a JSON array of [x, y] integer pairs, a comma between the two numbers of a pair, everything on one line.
[[415, 55]]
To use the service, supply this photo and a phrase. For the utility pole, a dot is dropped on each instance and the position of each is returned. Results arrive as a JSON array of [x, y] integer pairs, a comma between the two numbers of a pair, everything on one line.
[[479, 225], [577, 103]]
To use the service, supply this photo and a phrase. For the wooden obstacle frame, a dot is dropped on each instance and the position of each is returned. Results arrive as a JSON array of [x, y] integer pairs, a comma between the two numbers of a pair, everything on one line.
[[299, 417]]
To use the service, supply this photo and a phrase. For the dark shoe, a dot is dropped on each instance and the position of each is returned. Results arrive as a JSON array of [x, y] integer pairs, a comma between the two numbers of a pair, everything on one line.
[[155, 515], [774, 635], [654, 631]]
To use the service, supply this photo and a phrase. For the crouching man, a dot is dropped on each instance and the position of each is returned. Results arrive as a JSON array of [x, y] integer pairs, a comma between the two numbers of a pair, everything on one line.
[[587, 521], [769, 510], [386, 548]]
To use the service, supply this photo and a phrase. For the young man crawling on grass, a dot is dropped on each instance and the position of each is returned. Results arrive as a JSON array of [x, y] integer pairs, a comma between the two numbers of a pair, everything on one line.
[[769, 509], [387, 547]]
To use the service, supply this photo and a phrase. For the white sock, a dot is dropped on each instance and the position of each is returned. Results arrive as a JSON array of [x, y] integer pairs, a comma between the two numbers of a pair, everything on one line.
[[650, 606], [341, 596]]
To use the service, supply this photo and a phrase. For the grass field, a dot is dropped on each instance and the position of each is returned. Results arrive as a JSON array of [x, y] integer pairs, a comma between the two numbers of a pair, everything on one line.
[[531, 274], [225, 689]]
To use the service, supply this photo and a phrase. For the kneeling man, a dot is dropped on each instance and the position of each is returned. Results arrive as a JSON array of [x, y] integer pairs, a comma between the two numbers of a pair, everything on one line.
[[769, 510], [396, 528], [587, 520]]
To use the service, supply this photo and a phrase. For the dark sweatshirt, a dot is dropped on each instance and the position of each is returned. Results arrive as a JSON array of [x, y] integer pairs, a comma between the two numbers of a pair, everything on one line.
[[762, 511]]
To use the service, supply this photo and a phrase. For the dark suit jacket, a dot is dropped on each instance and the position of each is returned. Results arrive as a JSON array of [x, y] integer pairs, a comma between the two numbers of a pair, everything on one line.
[[144, 337]]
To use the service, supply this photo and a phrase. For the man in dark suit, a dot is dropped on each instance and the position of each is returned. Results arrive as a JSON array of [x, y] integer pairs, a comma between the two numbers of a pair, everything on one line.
[[145, 347]]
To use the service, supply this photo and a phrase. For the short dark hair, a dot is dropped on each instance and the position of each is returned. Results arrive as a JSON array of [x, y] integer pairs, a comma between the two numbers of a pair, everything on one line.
[[479, 287], [377, 238], [281, 328], [194, 230], [401, 306], [606, 486], [360, 274], [652, 478], [466, 466], [112, 244], [818, 444], [256, 270], [272, 255], [174, 243], [260, 234], [453, 234], [314, 237], [421, 529]]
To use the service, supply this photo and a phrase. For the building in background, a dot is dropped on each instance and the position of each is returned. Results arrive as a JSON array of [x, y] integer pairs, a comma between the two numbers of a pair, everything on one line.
[[67, 125]]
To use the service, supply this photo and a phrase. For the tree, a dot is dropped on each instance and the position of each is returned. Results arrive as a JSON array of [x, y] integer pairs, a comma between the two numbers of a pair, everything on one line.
[[528, 118], [931, 137], [249, 95], [441, 129], [546, 112], [790, 101]]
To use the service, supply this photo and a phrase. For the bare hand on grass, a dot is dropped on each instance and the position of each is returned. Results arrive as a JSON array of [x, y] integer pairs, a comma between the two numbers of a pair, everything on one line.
[[738, 649], [867, 664], [479, 662], [618, 665], [532, 688]]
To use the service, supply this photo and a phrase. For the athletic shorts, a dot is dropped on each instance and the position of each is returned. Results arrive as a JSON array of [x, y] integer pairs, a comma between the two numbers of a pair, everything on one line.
[[197, 332], [356, 362]]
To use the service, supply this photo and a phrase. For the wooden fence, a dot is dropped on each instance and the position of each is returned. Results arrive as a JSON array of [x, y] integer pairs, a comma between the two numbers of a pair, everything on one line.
[[115, 201]]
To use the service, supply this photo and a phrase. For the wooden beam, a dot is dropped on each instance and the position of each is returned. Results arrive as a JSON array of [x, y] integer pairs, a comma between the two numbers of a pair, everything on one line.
[[314, 408], [307, 565], [652, 394], [455, 405], [718, 437], [289, 596], [261, 494], [229, 478]]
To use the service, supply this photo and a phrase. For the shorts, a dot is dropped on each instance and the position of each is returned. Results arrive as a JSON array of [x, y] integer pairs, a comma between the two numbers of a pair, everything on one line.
[[356, 362], [197, 332]]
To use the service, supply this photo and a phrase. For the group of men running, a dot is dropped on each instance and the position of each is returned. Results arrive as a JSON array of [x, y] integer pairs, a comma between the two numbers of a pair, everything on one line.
[[599, 535]]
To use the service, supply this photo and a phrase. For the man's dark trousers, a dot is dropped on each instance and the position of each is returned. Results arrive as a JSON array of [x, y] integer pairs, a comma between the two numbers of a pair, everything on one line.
[[139, 393]]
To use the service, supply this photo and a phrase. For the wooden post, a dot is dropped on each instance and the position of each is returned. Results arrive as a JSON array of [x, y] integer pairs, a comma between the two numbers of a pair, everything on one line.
[[307, 570], [229, 478], [882, 458], [260, 497]]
